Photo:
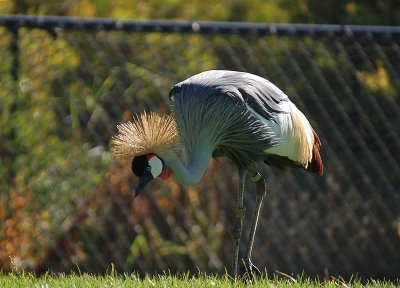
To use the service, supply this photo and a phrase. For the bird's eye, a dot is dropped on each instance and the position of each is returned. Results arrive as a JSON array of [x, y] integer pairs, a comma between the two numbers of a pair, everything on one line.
[[148, 168]]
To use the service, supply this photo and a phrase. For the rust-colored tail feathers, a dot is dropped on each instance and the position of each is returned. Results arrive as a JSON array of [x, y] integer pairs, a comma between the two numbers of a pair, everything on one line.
[[316, 164]]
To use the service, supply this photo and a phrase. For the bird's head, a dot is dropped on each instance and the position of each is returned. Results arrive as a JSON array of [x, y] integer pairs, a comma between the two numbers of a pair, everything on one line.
[[144, 139], [148, 167]]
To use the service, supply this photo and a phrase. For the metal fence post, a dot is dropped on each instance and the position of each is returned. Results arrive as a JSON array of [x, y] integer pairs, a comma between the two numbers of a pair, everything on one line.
[[14, 48], [14, 72]]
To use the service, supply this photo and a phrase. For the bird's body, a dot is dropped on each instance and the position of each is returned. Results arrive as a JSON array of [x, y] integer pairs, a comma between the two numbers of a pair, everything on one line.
[[244, 117], [221, 113]]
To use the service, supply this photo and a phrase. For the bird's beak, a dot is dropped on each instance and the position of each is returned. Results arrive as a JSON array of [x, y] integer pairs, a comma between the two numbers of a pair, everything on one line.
[[143, 180]]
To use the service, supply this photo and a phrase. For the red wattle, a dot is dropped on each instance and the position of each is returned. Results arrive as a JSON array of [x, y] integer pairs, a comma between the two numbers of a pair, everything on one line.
[[165, 174]]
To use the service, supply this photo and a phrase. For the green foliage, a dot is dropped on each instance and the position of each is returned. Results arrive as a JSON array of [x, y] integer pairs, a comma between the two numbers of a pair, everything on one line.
[[284, 11], [51, 174]]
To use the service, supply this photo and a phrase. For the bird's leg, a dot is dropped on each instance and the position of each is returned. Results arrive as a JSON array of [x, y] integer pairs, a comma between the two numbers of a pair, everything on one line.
[[237, 228], [260, 193]]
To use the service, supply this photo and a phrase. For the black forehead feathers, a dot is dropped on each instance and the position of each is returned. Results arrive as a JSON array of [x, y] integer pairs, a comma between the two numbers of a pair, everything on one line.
[[139, 164]]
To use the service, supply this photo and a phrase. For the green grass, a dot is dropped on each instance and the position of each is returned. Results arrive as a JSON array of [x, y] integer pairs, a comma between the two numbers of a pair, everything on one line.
[[113, 280]]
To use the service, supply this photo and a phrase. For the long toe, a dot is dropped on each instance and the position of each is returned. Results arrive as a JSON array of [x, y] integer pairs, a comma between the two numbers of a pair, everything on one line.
[[249, 270]]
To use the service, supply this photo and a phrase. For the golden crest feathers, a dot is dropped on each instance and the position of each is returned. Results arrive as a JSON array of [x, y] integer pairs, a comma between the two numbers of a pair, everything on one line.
[[147, 133]]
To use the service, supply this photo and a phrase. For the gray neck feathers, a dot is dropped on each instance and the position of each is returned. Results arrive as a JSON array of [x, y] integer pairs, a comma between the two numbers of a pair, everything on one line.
[[207, 119]]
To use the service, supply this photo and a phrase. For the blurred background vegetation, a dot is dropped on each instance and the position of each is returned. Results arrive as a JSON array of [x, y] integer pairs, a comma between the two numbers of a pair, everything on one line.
[[367, 12], [65, 203]]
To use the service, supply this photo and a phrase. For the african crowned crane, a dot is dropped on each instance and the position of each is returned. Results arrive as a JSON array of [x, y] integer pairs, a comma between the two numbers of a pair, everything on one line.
[[221, 113]]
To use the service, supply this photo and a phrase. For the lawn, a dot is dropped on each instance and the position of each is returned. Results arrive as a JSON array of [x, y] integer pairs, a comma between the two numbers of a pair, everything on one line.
[[130, 280]]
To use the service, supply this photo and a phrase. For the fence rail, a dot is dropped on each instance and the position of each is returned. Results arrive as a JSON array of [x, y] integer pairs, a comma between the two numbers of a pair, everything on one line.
[[65, 203], [314, 30]]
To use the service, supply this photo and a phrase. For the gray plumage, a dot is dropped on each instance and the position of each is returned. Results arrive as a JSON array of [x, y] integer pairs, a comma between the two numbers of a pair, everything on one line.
[[211, 110]]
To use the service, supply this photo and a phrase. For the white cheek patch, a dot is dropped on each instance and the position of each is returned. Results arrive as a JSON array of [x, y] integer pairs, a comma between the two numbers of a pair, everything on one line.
[[156, 166]]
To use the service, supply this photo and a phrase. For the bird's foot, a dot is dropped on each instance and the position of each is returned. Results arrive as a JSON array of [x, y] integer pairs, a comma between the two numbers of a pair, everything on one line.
[[249, 270]]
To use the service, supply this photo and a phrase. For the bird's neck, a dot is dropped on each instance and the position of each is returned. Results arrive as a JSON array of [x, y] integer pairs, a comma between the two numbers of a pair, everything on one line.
[[188, 174]]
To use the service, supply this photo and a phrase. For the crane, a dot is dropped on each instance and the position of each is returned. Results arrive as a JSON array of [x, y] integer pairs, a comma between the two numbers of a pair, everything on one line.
[[216, 113]]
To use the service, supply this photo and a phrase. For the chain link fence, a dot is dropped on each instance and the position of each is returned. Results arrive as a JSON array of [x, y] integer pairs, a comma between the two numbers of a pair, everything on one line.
[[67, 205]]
